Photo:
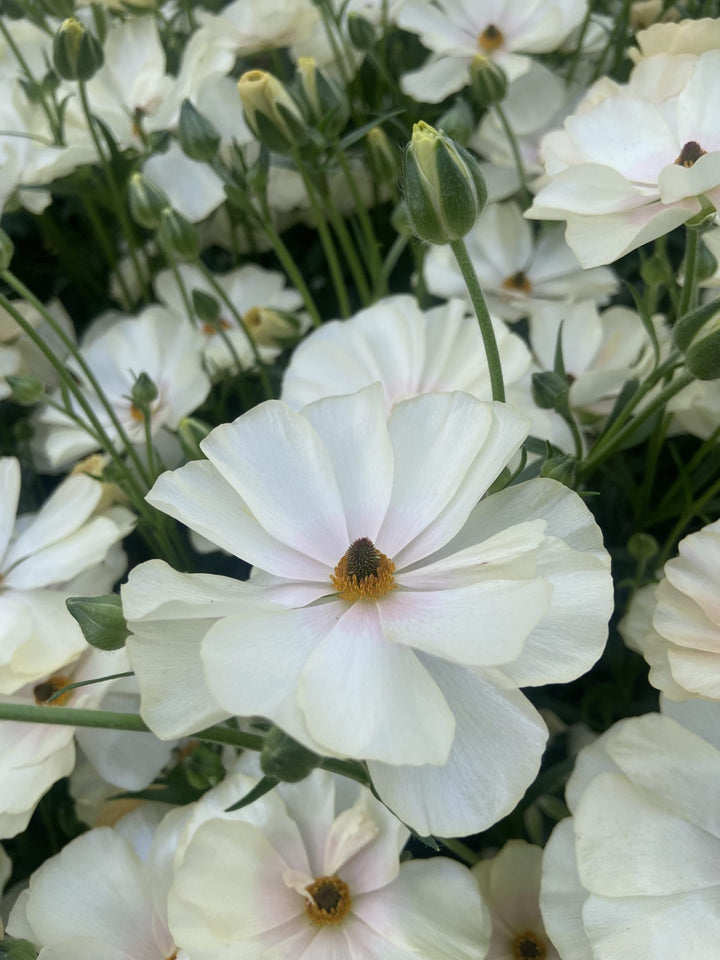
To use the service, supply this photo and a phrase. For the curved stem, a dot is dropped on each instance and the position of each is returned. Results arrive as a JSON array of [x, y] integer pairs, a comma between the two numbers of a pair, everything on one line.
[[687, 296], [481, 312], [372, 247], [517, 157]]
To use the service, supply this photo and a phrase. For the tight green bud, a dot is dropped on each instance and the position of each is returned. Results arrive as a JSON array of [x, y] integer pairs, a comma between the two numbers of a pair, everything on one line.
[[444, 189], [77, 55], [271, 113], [26, 390], [698, 335], [487, 81], [144, 392], [100, 619], [326, 105], [206, 307], [7, 249], [642, 546], [562, 467], [549, 390], [383, 157], [198, 137], [147, 201], [360, 31], [283, 758], [178, 235]]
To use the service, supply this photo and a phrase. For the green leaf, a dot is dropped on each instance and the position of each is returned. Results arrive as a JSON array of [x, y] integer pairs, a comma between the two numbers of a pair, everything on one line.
[[260, 789], [100, 619], [11, 949]]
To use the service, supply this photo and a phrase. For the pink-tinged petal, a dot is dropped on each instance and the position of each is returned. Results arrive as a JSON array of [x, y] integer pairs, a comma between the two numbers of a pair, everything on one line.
[[10, 486], [375, 864], [499, 740], [366, 697], [311, 805], [354, 432], [197, 495], [449, 448], [589, 188], [482, 625], [596, 240], [63, 513], [433, 909], [253, 661], [676, 182], [365, 943], [562, 895], [281, 469]]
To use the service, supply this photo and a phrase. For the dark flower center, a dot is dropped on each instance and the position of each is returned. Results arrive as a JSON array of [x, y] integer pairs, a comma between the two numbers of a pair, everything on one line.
[[690, 154]]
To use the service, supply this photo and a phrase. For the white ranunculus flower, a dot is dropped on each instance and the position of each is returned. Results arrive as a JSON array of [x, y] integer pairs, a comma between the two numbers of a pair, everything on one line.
[[250, 26], [303, 874], [510, 885], [680, 638], [505, 30], [158, 342], [517, 274], [372, 574], [687, 36], [633, 163], [635, 872]]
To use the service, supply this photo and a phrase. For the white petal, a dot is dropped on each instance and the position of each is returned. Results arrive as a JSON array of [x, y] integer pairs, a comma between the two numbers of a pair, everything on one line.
[[436, 79], [10, 485], [562, 895]]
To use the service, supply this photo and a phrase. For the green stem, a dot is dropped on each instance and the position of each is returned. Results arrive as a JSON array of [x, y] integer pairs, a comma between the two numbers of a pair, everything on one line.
[[687, 296], [481, 312], [53, 121], [347, 768], [517, 157], [348, 247], [391, 259], [461, 850], [372, 246], [683, 521], [87, 683], [107, 247], [293, 272]]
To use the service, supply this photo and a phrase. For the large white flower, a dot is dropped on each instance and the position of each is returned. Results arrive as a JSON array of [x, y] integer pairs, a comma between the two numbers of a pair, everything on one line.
[[158, 342], [306, 875], [637, 162], [636, 871], [359, 633], [676, 625], [505, 30]]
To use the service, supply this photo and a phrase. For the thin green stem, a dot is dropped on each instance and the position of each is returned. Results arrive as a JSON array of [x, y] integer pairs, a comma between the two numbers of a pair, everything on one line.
[[293, 271], [460, 849], [481, 312], [106, 246], [372, 246], [53, 121], [391, 259], [87, 683], [689, 289], [347, 768], [348, 247], [684, 520], [515, 149]]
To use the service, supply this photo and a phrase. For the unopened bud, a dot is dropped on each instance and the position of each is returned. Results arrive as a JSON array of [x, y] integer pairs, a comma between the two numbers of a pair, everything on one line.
[[487, 81], [26, 390], [191, 432], [147, 201], [326, 105], [549, 390], [198, 137], [178, 235], [697, 334], [7, 249], [458, 122], [561, 467], [703, 358], [143, 392], [271, 113], [284, 759], [444, 189], [206, 307], [384, 159], [360, 31], [642, 546], [77, 55], [705, 263], [269, 327], [100, 619]]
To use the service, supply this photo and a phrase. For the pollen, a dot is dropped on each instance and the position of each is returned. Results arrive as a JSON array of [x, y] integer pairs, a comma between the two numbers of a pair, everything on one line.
[[517, 281], [490, 39], [210, 329], [329, 900], [43, 691], [136, 413], [690, 154], [363, 573], [527, 946]]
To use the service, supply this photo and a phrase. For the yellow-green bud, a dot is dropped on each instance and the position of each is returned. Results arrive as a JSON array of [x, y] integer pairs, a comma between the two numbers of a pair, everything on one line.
[[270, 327], [26, 390], [147, 201], [360, 31], [444, 189], [198, 137], [326, 105], [383, 157], [284, 759], [271, 113], [178, 235], [77, 55], [458, 121], [7, 249], [487, 81], [191, 432], [698, 336]]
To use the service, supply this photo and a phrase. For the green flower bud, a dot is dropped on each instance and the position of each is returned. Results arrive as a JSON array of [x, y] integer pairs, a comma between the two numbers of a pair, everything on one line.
[[642, 546], [561, 467], [271, 113], [77, 55], [147, 201], [705, 264], [487, 81], [458, 122], [698, 336], [688, 328], [360, 31], [100, 619], [549, 390], [206, 307], [191, 432], [144, 392], [178, 235], [26, 390], [383, 158], [198, 137], [703, 358], [444, 189], [284, 759], [7, 249], [326, 105]]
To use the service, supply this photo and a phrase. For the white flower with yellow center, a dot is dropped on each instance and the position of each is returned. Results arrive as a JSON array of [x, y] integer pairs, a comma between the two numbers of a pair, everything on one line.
[[387, 619]]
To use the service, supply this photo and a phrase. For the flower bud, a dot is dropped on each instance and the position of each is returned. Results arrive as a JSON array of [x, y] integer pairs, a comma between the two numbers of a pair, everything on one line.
[[561, 467], [206, 307], [326, 105], [383, 158], [458, 122], [360, 31], [178, 235], [7, 249], [147, 201], [284, 759], [269, 327], [191, 432], [642, 546], [26, 390], [198, 137], [144, 391], [444, 189], [697, 334], [271, 113], [77, 55], [487, 81], [549, 390], [703, 358], [705, 263], [100, 619]]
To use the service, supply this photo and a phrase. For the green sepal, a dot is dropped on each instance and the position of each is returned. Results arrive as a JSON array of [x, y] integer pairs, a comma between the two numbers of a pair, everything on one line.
[[100, 619]]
